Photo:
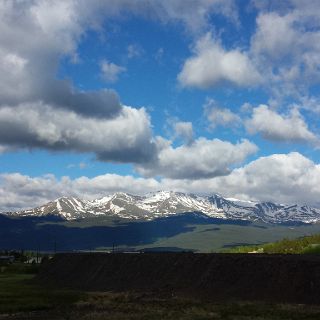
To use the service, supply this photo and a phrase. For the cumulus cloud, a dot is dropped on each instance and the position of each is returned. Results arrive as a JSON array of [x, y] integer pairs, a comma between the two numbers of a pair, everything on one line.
[[277, 127], [281, 178], [194, 14], [19, 191], [37, 110], [212, 65], [110, 71], [282, 56], [183, 130], [275, 35], [286, 47], [223, 117], [218, 116], [34, 36], [201, 159], [125, 138], [286, 178]]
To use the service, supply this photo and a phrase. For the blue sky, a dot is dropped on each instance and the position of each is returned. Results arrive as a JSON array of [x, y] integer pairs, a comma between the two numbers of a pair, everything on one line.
[[198, 96]]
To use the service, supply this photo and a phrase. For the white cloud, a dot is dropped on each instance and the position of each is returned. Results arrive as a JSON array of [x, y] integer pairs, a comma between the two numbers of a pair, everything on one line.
[[246, 108], [195, 14], [212, 65], [218, 116], [34, 36], [4, 149], [110, 71], [274, 126], [310, 103], [286, 178], [19, 191], [183, 130], [275, 35], [125, 138], [281, 178], [201, 159], [134, 51], [285, 47], [283, 57]]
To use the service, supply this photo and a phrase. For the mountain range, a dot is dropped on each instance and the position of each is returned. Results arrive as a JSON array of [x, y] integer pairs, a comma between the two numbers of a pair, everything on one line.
[[168, 203]]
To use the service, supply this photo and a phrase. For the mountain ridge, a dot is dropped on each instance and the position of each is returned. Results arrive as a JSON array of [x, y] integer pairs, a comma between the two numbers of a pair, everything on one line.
[[167, 203]]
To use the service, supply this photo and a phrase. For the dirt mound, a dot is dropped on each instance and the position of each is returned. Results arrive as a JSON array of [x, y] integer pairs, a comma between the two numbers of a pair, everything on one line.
[[274, 278]]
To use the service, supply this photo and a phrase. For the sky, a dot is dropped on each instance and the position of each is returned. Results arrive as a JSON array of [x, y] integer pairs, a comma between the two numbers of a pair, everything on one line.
[[200, 96]]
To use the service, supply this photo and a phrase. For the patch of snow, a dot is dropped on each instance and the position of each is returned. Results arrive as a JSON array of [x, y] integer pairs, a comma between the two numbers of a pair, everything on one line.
[[115, 209], [59, 205]]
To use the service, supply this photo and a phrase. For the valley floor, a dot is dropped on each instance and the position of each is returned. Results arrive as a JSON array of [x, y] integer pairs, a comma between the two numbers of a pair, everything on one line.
[[25, 292], [21, 299], [185, 232]]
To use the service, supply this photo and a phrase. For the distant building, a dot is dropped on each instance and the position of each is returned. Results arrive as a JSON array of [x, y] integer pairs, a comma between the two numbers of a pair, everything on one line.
[[34, 260]]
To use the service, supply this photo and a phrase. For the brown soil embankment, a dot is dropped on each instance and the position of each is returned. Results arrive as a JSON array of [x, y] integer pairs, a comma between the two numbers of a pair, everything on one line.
[[274, 278]]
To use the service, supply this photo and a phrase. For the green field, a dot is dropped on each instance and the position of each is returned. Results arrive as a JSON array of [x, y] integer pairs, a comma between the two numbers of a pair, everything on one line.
[[19, 292], [215, 238], [22, 298], [302, 245], [182, 232]]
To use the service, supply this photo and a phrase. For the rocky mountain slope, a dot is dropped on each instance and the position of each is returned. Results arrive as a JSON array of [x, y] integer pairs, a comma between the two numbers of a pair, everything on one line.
[[167, 203]]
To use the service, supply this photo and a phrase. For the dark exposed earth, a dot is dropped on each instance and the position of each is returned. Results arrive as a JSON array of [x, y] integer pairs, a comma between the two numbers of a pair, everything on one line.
[[217, 277]]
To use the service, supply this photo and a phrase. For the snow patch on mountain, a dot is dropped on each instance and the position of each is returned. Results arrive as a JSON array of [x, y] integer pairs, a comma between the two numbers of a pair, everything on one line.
[[167, 203]]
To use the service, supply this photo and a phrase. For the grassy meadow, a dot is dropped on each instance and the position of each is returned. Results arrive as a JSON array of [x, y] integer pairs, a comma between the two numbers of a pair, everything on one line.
[[22, 298], [19, 292], [221, 237], [302, 245]]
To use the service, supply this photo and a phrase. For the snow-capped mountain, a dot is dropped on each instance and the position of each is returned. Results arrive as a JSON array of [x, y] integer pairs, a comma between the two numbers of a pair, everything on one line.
[[167, 203]]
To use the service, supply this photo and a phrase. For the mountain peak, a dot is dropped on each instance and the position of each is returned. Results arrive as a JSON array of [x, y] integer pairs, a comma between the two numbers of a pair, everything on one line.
[[166, 203]]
